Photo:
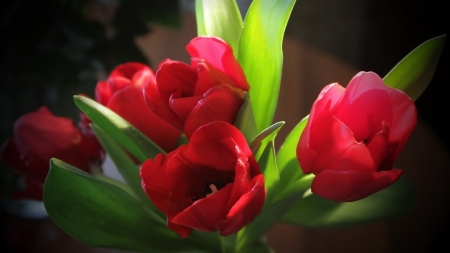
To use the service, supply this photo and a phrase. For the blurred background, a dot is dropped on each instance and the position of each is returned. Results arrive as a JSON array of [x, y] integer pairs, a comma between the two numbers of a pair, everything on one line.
[[52, 50]]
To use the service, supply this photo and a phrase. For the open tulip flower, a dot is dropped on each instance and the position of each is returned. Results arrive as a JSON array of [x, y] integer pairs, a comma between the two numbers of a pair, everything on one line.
[[210, 89], [353, 137], [122, 93], [213, 183], [39, 136]]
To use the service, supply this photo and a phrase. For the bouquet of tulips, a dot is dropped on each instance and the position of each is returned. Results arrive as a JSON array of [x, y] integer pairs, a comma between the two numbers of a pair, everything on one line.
[[194, 143]]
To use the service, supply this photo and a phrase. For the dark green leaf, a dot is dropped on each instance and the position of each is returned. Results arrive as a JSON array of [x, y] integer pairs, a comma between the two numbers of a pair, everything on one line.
[[115, 126], [261, 56], [313, 211], [414, 72], [102, 215]]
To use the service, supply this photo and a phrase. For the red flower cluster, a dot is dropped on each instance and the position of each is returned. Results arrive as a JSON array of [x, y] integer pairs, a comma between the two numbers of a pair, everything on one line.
[[212, 183], [122, 93], [40, 136], [210, 89], [353, 137]]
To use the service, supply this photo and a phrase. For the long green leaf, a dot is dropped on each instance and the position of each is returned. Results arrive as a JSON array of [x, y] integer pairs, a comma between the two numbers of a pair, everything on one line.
[[245, 120], [395, 201], [288, 165], [102, 215], [414, 72], [268, 165], [219, 18], [126, 167], [261, 56], [115, 126]]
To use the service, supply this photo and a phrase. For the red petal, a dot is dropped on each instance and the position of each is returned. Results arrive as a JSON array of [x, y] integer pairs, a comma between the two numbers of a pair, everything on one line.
[[160, 108], [378, 146], [365, 105], [103, 92], [182, 107], [219, 54], [175, 76], [205, 214], [245, 209], [130, 104], [352, 185], [217, 145], [128, 70], [220, 103], [320, 113], [155, 182], [209, 77], [187, 179], [405, 119]]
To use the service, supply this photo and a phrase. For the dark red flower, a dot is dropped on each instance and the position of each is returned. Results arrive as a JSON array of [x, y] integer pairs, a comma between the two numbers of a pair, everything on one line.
[[122, 92], [212, 183], [353, 137], [210, 89], [40, 136]]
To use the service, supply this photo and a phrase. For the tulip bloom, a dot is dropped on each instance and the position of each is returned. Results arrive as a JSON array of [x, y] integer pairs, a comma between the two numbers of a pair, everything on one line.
[[212, 183], [40, 136], [353, 137], [122, 93], [210, 89]]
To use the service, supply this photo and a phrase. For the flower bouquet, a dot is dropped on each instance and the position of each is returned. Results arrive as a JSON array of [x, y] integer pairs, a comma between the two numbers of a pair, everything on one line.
[[194, 143]]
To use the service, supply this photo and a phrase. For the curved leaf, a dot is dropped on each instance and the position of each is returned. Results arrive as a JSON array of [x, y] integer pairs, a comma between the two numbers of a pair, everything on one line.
[[414, 72], [126, 167], [118, 128], [102, 215], [261, 56], [259, 143], [288, 165]]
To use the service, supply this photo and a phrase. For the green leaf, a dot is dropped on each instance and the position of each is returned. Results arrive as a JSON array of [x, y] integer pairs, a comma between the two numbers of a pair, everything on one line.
[[245, 120], [268, 166], [103, 215], [115, 126], [219, 18], [313, 211], [288, 165], [414, 72], [261, 56], [126, 167], [259, 143]]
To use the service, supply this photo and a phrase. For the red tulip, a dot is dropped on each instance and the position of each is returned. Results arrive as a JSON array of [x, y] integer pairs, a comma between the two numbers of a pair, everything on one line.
[[40, 136], [353, 137], [210, 89], [122, 92], [212, 183]]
